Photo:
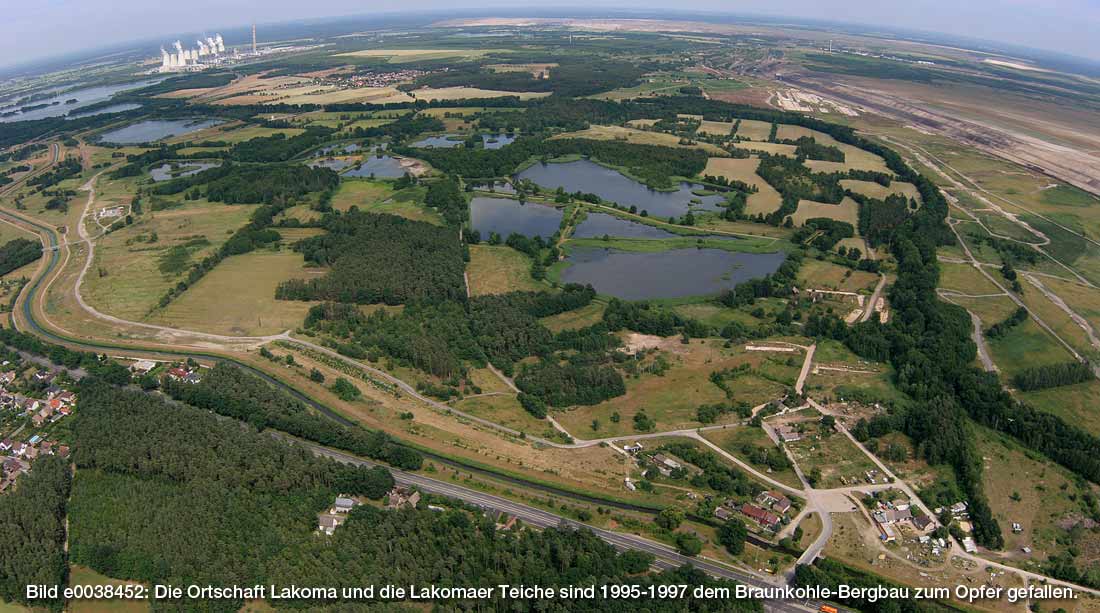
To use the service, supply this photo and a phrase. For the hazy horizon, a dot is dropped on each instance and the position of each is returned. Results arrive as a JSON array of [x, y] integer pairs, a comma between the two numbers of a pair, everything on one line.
[[33, 32]]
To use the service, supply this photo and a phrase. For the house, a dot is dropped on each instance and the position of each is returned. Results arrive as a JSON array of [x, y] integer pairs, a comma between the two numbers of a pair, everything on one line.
[[6, 444], [46, 448], [30, 452], [887, 533], [39, 419], [43, 375], [142, 367], [766, 519], [969, 545], [63, 451], [776, 501], [635, 448], [630, 484], [67, 397], [328, 523], [403, 496], [8, 377], [723, 513], [177, 373], [52, 391], [922, 522], [192, 378], [668, 462], [344, 504], [788, 435], [958, 508]]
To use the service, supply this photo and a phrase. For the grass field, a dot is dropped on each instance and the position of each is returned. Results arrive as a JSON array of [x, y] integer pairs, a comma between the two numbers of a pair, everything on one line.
[[1077, 404], [241, 134], [736, 438], [965, 279], [765, 200], [874, 190], [715, 315], [497, 269], [237, 297], [125, 279], [1026, 346], [578, 318], [82, 575], [504, 409], [1084, 301], [847, 211], [830, 454], [464, 93], [716, 128], [361, 193], [379, 197], [672, 398], [638, 137], [821, 274]]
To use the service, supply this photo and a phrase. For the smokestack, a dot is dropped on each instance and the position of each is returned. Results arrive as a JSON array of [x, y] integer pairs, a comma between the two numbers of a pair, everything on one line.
[[253, 39], [221, 43]]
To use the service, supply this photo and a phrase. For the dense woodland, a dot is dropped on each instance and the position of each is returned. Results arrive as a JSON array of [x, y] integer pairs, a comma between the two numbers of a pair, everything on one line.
[[422, 261], [230, 391], [17, 253], [267, 184], [32, 531]]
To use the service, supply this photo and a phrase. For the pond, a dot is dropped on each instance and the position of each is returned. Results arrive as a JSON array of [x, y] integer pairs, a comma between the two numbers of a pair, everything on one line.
[[84, 97], [590, 177], [342, 148], [385, 167], [183, 169], [152, 130], [439, 142], [336, 164], [596, 225], [505, 217], [676, 273], [496, 141]]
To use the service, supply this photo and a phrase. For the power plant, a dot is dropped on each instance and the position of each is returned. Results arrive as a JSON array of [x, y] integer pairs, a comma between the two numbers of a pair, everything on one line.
[[210, 52]]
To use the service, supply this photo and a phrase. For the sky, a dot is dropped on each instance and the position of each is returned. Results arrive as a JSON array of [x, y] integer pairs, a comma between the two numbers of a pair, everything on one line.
[[40, 29]]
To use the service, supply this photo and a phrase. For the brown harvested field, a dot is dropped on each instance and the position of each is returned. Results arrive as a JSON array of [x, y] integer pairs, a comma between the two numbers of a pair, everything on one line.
[[820, 274], [754, 130], [496, 269], [765, 200], [874, 190], [766, 147], [637, 137], [237, 297], [322, 94], [250, 84], [463, 93], [671, 399], [534, 69], [716, 128], [847, 210]]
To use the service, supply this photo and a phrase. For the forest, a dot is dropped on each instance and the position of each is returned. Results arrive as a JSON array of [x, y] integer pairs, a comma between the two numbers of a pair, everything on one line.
[[32, 531], [267, 184], [230, 391], [17, 253], [422, 261], [1053, 375]]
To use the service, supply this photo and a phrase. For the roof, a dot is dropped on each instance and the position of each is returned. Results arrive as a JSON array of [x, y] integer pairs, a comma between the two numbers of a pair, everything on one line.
[[760, 515], [344, 502]]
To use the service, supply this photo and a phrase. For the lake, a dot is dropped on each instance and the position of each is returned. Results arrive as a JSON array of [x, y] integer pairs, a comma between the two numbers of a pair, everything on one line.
[[384, 167], [596, 225], [589, 177], [342, 148], [505, 217], [676, 273], [336, 164], [184, 169], [152, 130], [84, 97]]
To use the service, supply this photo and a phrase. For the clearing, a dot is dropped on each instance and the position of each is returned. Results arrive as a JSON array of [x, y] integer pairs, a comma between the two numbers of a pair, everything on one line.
[[497, 269]]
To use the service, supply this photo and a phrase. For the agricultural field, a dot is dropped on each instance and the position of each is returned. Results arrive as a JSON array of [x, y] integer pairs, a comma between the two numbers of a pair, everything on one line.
[[765, 200], [498, 270], [874, 190], [237, 297], [847, 211], [639, 137]]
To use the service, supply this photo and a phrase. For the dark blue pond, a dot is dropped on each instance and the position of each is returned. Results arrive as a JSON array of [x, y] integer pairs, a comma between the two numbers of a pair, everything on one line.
[[676, 273], [152, 130], [589, 177], [505, 217], [597, 225]]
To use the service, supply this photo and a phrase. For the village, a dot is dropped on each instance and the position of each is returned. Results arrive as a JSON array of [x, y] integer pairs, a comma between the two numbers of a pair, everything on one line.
[[30, 406]]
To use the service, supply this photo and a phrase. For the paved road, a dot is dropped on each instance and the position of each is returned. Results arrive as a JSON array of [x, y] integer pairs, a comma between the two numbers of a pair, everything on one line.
[[665, 556]]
